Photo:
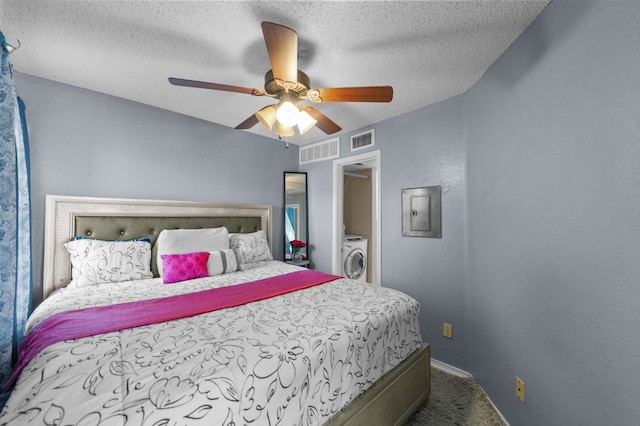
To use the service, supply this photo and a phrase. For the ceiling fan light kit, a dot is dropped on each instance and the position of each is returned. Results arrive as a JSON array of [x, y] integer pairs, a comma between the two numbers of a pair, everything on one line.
[[267, 116], [287, 113], [284, 131], [289, 85], [305, 122]]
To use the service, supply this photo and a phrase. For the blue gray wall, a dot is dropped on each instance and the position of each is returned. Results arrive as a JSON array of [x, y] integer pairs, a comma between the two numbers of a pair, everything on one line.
[[538, 269], [553, 154], [89, 144]]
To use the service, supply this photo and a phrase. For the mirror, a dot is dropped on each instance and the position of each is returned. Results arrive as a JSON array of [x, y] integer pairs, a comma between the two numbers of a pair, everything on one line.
[[295, 213]]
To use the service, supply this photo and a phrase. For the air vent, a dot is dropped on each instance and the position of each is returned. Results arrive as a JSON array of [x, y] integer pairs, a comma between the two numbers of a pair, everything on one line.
[[320, 151], [362, 140]]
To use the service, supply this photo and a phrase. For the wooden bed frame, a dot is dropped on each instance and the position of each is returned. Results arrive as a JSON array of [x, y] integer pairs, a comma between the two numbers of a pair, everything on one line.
[[390, 401]]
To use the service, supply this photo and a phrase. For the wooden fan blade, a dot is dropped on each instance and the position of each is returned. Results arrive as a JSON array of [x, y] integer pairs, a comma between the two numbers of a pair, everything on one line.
[[352, 94], [214, 86], [324, 123], [248, 123], [282, 45]]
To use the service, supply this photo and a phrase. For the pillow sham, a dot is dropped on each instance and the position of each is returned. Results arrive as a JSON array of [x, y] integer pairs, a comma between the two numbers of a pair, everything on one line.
[[177, 241], [100, 261], [250, 249], [222, 262], [183, 267]]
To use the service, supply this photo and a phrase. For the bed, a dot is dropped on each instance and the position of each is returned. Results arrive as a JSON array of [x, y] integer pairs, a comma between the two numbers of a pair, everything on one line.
[[304, 348]]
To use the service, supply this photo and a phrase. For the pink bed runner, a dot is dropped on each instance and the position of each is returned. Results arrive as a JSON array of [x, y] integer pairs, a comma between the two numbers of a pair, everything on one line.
[[104, 319]]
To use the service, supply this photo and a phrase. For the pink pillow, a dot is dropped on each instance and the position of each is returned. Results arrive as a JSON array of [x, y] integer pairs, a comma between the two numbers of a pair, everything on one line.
[[182, 267]]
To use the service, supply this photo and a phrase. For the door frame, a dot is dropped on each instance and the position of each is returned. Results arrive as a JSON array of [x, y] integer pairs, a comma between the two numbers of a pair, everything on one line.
[[370, 159]]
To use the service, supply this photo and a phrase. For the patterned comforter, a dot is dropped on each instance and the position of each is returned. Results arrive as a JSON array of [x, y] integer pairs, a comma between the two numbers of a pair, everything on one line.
[[295, 359]]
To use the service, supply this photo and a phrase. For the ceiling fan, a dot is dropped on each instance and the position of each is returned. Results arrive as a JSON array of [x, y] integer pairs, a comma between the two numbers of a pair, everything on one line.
[[288, 85]]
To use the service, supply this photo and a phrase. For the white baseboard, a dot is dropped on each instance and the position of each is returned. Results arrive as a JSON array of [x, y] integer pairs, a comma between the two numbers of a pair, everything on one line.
[[450, 369]]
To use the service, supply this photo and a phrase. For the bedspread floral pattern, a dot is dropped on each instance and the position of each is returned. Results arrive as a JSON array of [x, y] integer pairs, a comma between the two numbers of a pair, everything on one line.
[[296, 359]]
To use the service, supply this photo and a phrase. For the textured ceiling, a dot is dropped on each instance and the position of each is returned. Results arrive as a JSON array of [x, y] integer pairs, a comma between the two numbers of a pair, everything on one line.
[[428, 51]]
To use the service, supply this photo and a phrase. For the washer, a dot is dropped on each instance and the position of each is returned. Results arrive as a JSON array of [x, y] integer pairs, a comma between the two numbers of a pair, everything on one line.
[[354, 257]]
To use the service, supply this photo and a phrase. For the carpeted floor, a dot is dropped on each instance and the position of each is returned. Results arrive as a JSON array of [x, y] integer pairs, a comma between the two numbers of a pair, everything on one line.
[[455, 401]]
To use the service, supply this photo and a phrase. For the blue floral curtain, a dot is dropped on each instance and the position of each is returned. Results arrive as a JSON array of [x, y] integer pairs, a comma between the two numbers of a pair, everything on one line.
[[15, 220]]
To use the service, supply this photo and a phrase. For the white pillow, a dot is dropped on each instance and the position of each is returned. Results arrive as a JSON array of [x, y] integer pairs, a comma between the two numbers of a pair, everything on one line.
[[178, 241], [251, 249], [99, 261], [222, 262]]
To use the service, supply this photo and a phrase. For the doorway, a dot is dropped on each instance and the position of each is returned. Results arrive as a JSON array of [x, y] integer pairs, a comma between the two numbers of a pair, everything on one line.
[[367, 164]]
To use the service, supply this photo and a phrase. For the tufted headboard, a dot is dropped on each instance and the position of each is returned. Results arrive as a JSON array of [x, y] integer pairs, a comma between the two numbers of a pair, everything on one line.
[[124, 219]]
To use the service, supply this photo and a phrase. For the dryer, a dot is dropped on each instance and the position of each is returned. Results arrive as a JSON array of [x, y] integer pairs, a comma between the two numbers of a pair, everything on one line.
[[354, 257]]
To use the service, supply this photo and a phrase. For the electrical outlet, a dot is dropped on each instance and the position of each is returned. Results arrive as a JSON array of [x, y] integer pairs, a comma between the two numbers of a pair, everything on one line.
[[520, 389], [447, 330]]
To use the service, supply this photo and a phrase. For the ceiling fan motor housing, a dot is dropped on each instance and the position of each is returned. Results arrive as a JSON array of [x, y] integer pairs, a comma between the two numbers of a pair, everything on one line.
[[273, 86]]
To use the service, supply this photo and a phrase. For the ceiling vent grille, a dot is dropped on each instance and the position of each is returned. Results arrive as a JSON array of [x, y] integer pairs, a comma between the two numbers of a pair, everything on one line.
[[362, 140], [320, 151]]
